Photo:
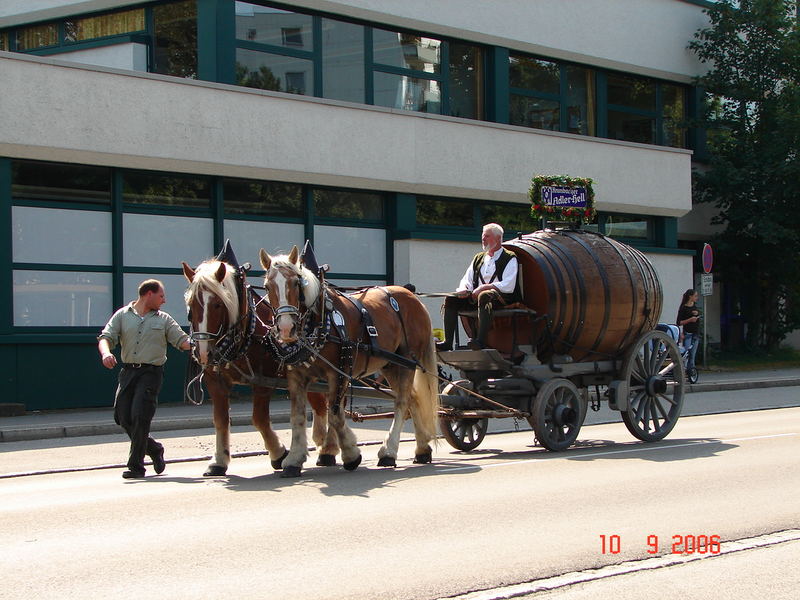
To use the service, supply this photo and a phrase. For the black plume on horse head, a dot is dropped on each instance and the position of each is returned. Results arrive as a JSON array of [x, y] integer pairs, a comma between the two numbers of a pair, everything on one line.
[[308, 259], [226, 255]]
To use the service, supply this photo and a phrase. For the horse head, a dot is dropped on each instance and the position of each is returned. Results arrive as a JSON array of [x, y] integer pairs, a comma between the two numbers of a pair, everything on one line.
[[213, 304], [291, 289]]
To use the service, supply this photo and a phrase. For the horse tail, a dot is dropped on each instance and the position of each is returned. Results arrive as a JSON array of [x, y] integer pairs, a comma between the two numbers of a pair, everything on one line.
[[426, 393]]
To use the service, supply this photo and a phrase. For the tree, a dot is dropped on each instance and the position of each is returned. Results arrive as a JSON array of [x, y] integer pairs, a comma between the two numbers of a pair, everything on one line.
[[752, 119]]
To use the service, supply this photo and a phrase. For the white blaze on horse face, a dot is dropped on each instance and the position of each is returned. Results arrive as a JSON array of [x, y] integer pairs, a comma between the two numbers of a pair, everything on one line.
[[285, 323], [202, 345]]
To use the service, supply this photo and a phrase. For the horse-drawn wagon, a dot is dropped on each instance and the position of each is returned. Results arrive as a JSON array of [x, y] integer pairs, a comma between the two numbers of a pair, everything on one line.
[[583, 334]]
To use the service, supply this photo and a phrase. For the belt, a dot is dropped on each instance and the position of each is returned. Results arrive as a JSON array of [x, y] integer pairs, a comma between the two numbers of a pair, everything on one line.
[[140, 366]]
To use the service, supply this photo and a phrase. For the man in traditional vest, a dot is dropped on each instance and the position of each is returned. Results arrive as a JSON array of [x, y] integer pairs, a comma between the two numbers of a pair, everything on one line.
[[490, 281]]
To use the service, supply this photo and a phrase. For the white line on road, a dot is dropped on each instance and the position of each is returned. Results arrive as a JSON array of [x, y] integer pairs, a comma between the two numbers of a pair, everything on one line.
[[551, 456], [634, 566]]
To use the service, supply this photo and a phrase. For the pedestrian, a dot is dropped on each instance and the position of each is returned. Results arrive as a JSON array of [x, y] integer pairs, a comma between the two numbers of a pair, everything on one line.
[[142, 330], [689, 319]]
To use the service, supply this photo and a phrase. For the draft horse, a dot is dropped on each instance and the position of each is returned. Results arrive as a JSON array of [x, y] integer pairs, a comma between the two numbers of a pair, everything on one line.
[[379, 329], [229, 323]]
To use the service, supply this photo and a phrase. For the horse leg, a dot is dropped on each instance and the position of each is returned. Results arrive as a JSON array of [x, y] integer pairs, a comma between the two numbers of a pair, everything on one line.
[[298, 452], [219, 391], [425, 403], [400, 381], [324, 437], [261, 421], [351, 455]]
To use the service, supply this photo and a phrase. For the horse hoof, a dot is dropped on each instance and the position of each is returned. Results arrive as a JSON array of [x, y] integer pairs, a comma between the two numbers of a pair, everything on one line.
[[290, 471], [277, 464], [387, 461], [215, 471], [351, 466], [423, 459], [326, 460]]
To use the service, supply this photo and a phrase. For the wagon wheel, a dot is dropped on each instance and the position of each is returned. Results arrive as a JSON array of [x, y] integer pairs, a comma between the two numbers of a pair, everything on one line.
[[462, 434], [654, 371], [557, 413]]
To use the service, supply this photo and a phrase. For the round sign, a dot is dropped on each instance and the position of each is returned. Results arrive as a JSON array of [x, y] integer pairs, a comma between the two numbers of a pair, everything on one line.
[[708, 258]]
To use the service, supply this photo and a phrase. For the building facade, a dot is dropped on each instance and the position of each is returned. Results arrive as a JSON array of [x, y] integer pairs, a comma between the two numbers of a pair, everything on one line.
[[138, 135]]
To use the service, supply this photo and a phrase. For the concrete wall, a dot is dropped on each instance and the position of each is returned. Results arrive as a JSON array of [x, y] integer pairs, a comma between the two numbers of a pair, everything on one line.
[[93, 115], [648, 37]]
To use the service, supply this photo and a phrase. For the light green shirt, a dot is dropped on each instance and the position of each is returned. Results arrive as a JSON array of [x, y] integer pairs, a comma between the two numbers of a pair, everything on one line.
[[143, 339]]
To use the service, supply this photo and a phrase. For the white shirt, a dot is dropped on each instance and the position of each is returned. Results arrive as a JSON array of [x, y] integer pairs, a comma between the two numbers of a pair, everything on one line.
[[488, 267]]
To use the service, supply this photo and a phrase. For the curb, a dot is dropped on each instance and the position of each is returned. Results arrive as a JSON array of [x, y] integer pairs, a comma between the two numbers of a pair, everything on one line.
[[23, 434]]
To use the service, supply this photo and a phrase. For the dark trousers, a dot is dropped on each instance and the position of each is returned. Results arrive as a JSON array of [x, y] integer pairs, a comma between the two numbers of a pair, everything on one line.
[[486, 302], [134, 408]]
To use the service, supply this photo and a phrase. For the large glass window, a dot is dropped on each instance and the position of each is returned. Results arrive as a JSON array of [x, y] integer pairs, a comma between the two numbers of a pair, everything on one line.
[[276, 72], [37, 36], [407, 93], [344, 204], [466, 81], [632, 92], [406, 51], [351, 249], [4, 41], [264, 198], [248, 237], [175, 39], [538, 113], [407, 71], [442, 212], [581, 117], [674, 115], [512, 217], [165, 241], [79, 30], [343, 61], [534, 74], [60, 236], [61, 298], [60, 182], [631, 108], [267, 25], [143, 187]]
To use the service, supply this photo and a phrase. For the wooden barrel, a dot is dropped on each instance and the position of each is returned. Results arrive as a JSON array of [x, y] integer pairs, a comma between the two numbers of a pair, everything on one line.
[[598, 295]]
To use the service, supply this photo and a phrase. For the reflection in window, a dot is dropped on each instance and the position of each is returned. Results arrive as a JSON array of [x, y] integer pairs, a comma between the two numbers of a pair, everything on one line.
[[345, 204], [674, 113], [343, 61], [631, 92], [175, 39], [626, 226], [267, 25], [276, 72], [580, 100], [267, 198], [466, 81], [534, 74], [440, 212], [631, 127], [4, 41], [37, 36], [407, 93], [78, 30], [351, 249], [406, 51], [60, 236], [61, 299], [512, 217], [159, 241], [60, 182], [534, 112], [140, 187]]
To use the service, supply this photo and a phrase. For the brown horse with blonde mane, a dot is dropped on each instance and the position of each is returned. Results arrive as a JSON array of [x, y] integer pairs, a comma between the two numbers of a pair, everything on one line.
[[229, 323], [379, 329]]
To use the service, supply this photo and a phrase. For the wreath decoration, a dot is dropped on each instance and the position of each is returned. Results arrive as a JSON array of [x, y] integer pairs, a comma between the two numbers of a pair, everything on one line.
[[542, 209]]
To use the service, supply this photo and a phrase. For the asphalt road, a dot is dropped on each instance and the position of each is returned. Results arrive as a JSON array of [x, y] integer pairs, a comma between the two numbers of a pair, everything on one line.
[[507, 513]]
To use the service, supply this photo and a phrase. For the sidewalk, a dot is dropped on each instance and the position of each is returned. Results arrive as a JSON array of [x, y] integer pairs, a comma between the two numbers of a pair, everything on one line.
[[172, 417]]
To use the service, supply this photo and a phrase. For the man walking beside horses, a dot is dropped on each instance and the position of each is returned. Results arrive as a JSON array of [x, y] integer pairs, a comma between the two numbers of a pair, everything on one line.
[[143, 332], [490, 282]]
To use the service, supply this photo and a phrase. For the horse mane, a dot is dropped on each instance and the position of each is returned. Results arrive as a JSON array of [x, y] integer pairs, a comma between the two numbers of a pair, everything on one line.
[[205, 279], [312, 290]]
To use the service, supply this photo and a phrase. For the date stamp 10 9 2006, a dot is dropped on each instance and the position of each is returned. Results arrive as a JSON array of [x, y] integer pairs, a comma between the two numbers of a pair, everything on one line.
[[678, 544]]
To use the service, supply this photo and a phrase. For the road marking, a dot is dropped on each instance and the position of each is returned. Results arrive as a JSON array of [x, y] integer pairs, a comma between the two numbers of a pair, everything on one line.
[[552, 456], [633, 566]]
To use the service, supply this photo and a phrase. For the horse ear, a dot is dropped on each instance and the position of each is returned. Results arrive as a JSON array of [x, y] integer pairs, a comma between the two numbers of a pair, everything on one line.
[[266, 259], [221, 272], [294, 255], [188, 272]]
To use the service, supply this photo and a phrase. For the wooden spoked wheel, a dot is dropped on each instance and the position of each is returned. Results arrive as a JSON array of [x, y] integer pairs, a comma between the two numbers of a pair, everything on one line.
[[462, 434], [654, 371], [557, 413]]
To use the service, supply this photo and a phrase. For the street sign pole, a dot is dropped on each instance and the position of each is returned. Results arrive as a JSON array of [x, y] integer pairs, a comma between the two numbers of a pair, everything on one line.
[[708, 290]]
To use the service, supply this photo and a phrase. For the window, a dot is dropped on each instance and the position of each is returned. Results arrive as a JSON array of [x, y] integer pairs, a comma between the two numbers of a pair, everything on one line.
[[350, 205], [466, 81], [292, 36], [142, 187], [175, 39], [61, 236], [79, 30], [631, 108], [674, 115], [248, 237], [264, 198], [61, 298], [296, 82], [443, 212], [274, 27], [174, 287], [351, 249], [37, 36], [407, 71], [276, 72], [4, 41], [625, 226], [43, 181], [163, 241], [343, 61], [407, 93], [512, 217]]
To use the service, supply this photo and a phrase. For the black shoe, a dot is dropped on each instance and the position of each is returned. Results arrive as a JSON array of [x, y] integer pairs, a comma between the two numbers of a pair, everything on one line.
[[133, 475], [444, 347], [476, 345], [158, 461]]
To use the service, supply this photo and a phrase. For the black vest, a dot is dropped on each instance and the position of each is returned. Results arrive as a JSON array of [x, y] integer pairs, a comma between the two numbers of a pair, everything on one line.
[[499, 267]]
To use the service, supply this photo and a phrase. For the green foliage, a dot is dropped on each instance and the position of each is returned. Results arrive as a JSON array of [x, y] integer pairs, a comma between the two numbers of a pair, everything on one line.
[[752, 116]]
